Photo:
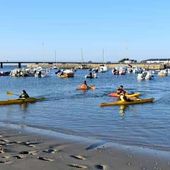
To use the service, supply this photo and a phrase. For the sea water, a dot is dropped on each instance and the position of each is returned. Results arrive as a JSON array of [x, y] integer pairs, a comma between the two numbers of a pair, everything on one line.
[[74, 112]]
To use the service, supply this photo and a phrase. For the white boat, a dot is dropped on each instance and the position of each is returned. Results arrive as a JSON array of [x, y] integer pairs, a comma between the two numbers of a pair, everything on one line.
[[149, 75], [91, 75], [20, 72], [140, 77], [137, 70], [41, 72], [119, 70], [66, 73], [163, 73], [103, 68], [146, 75]]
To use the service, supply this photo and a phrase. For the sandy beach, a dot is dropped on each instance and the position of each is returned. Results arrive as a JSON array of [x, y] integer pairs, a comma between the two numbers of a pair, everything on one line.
[[20, 150]]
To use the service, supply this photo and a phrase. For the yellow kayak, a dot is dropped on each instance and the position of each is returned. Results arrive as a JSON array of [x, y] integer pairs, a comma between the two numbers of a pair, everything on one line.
[[114, 94], [137, 101], [20, 101]]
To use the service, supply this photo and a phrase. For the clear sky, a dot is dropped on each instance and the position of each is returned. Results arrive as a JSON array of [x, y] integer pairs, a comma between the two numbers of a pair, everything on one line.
[[35, 29]]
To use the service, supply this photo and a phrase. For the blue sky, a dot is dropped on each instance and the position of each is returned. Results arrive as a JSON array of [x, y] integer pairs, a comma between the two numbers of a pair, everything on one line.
[[35, 29]]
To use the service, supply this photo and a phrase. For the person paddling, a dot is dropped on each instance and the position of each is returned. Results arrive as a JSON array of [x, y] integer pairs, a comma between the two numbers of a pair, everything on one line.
[[120, 90], [84, 85], [124, 98], [24, 95]]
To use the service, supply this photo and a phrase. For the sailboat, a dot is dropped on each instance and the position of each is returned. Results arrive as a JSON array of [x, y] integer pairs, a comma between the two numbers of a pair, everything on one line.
[[103, 68]]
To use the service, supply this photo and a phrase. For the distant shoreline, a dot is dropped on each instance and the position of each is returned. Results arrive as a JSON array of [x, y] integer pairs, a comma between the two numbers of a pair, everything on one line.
[[151, 66], [85, 65]]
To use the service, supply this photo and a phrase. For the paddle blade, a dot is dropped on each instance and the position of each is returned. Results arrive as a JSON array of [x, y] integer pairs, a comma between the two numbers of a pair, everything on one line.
[[92, 87], [9, 93]]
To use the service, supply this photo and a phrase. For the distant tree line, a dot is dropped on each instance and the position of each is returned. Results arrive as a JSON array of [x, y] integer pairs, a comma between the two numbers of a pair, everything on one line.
[[127, 60]]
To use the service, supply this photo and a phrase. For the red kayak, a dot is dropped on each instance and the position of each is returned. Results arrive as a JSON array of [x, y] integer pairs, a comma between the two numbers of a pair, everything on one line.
[[114, 94]]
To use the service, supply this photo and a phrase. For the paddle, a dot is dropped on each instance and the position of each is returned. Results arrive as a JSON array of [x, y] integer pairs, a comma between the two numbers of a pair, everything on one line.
[[92, 87], [9, 93]]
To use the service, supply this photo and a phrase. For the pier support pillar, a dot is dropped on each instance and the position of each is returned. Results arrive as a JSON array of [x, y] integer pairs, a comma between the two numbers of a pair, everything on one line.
[[19, 65], [1, 64]]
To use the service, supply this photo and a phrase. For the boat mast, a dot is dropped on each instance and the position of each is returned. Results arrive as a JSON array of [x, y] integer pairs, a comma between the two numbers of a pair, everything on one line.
[[82, 57], [103, 55], [55, 56]]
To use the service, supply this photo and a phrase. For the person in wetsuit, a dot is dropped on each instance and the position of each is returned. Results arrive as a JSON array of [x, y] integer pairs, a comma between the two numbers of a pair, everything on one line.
[[24, 95]]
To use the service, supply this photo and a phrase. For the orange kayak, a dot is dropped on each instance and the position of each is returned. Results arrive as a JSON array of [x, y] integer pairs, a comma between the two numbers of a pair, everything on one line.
[[84, 87]]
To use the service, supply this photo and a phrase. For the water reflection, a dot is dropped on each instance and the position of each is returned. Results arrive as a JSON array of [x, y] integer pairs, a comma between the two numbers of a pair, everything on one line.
[[24, 106], [122, 110]]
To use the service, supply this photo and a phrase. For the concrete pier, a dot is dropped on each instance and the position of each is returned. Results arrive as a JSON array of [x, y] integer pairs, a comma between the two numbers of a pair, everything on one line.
[[84, 65]]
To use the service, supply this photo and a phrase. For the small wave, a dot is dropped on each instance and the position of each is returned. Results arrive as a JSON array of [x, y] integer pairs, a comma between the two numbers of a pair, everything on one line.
[[164, 99]]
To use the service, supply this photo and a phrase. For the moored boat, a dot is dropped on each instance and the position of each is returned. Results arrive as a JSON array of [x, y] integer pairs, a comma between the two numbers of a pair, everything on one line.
[[163, 73], [91, 75], [6, 73], [66, 74], [103, 68]]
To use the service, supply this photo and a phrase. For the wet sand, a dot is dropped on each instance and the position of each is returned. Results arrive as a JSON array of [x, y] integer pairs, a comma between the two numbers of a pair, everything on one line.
[[20, 150]]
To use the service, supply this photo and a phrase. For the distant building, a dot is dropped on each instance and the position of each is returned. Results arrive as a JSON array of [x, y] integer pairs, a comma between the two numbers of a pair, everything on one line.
[[161, 60]]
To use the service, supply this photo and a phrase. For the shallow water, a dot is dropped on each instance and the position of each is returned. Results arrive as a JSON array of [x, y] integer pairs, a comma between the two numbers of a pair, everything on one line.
[[69, 111]]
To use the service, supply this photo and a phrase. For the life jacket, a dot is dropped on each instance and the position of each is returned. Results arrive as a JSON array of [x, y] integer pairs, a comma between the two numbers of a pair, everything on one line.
[[122, 97], [119, 91]]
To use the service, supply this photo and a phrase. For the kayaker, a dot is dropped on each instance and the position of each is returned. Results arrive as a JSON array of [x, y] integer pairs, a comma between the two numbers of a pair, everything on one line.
[[124, 98], [120, 90], [84, 85], [90, 75], [24, 95]]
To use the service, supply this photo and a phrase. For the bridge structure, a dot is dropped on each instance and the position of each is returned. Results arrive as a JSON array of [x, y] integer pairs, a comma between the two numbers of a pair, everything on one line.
[[20, 63], [85, 65]]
